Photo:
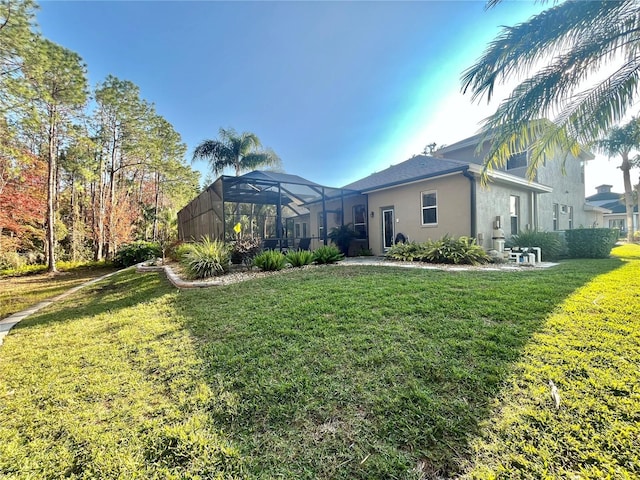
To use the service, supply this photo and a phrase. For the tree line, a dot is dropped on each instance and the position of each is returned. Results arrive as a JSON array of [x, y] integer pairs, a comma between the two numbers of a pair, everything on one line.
[[82, 170]]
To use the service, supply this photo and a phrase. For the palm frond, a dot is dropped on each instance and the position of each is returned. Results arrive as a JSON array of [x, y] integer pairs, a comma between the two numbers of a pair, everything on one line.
[[519, 49], [217, 153]]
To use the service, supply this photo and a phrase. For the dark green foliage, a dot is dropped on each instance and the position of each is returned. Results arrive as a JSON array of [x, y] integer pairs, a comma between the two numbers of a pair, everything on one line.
[[406, 252], [136, 252], [270, 260], [299, 258], [462, 250], [244, 249], [591, 242], [551, 247], [327, 254], [342, 236], [207, 258]]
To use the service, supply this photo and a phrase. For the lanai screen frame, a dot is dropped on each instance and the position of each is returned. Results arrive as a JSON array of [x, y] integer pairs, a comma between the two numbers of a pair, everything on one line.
[[259, 188]]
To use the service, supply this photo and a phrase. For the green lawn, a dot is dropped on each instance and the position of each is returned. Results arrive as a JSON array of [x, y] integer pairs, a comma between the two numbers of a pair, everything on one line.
[[20, 292], [334, 372]]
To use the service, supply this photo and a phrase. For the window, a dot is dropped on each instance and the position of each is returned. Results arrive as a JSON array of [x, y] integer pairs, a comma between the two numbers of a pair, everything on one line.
[[320, 225], [570, 217], [517, 160], [297, 234], [514, 212], [304, 230], [360, 220], [556, 209], [429, 208]]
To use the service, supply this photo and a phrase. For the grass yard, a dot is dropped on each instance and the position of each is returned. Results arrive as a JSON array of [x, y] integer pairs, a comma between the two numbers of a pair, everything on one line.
[[335, 372], [20, 292]]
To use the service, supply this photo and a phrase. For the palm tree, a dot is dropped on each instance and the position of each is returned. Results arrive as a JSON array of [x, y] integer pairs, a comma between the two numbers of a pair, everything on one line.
[[581, 65], [620, 141], [239, 151]]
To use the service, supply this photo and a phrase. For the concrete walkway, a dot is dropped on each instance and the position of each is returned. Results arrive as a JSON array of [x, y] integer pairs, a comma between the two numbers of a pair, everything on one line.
[[8, 323]]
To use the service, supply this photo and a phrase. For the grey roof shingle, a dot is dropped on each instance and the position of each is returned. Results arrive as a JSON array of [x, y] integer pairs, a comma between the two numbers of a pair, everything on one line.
[[416, 168]]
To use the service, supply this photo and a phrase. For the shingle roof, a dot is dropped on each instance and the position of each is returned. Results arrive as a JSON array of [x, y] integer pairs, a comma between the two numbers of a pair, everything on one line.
[[619, 207], [416, 168]]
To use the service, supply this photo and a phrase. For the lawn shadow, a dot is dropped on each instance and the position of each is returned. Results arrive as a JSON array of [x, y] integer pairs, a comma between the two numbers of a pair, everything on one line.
[[368, 372]]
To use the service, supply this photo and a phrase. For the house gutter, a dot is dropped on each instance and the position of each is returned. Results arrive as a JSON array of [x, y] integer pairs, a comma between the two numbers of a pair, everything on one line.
[[473, 201]]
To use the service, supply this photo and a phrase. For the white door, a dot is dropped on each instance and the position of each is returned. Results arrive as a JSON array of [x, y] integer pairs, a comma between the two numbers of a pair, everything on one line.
[[388, 227]]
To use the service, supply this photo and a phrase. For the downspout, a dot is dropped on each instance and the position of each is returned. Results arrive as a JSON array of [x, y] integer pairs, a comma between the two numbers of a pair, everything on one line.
[[366, 213], [472, 180], [324, 219]]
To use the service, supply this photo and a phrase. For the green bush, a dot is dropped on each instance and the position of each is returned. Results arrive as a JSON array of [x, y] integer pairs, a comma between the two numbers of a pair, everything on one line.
[[207, 258], [270, 260], [406, 252], [327, 254], [244, 250], [179, 251], [299, 258], [551, 247], [591, 242], [462, 250], [136, 252], [12, 261]]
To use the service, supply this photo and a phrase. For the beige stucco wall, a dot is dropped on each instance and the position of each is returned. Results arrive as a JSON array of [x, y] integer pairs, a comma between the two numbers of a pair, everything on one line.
[[453, 198], [493, 200], [568, 189]]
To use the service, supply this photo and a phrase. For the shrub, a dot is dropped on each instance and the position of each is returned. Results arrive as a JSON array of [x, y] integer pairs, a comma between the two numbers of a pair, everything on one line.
[[136, 252], [299, 258], [406, 252], [327, 254], [207, 258], [591, 242], [457, 251], [180, 251], [270, 260], [550, 245], [342, 236], [244, 250], [12, 261]]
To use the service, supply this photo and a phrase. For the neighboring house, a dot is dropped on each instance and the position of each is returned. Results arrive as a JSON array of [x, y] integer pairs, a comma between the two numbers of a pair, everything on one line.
[[427, 197], [614, 202]]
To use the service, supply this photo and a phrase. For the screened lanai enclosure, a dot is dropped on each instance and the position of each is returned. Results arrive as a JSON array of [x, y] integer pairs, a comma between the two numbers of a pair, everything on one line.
[[286, 211]]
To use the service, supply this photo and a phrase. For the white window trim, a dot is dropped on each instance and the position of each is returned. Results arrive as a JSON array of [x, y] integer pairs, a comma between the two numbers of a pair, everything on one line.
[[423, 208]]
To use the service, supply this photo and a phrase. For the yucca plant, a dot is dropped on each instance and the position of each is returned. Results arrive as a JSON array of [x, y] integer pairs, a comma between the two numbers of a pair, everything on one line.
[[270, 260], [299, 258], [207, 258], [327, 254], [463, 250], [406, 252]]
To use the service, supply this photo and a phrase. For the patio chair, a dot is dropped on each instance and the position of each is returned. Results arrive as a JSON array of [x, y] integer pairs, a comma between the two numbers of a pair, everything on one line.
[[270, 243], [304, 244]]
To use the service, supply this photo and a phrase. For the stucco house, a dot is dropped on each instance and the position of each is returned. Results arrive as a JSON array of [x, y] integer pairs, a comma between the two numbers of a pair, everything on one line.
[[614, 202], [427, 197]]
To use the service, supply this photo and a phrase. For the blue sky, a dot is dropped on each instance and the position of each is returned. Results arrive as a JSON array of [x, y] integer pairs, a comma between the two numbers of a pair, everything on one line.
[[338, 89]]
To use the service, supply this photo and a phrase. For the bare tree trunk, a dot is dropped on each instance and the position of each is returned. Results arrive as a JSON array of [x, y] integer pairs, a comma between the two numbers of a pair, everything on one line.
[[99, 254], [51, 188], [156, 207], [628, 194]]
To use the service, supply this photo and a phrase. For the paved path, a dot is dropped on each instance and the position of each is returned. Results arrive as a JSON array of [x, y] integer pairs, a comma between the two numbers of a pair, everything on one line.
[[7, 324]]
